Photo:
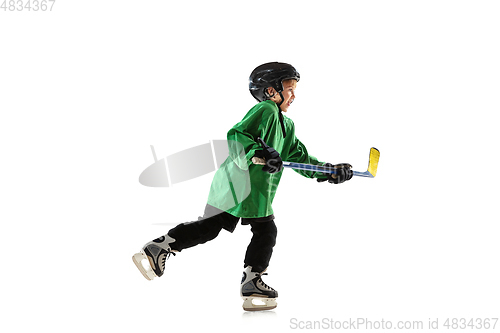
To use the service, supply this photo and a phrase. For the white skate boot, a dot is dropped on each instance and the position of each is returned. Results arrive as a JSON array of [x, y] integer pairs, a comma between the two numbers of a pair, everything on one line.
[[256, 294], [156, 252]]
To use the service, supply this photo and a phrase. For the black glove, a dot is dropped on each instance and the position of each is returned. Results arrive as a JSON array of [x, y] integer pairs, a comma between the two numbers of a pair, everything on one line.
[[342, 173], [274, 163]]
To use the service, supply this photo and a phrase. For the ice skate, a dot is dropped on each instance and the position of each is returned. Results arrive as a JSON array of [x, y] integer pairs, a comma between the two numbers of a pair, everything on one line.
[[255, 293], [155, 253]]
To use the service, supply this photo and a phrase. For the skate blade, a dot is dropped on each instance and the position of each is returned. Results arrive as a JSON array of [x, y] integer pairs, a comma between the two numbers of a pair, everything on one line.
[[258, 303], [138, 258]]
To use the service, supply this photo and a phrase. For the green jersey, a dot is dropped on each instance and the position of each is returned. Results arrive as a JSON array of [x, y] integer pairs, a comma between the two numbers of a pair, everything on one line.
[[240, 187]]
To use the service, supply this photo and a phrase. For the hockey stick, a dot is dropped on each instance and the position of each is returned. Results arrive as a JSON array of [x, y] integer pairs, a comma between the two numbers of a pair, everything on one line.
[[370, 173]]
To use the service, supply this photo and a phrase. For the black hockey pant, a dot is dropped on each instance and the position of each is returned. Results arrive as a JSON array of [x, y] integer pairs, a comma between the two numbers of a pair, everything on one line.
[[258, 252]]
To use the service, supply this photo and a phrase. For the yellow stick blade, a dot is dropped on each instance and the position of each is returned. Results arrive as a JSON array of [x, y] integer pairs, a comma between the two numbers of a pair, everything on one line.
[[373, 161]]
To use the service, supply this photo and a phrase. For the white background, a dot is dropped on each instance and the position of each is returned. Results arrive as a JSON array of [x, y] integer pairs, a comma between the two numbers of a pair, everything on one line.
[[88, 87]]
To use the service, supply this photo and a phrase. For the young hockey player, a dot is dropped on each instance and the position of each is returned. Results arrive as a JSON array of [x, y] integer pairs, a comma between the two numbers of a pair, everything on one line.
[[273, 85]]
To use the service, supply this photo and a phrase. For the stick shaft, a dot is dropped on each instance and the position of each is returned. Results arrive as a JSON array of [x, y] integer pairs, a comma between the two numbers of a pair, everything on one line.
[[318, 168], [311, 167], [370, 173]]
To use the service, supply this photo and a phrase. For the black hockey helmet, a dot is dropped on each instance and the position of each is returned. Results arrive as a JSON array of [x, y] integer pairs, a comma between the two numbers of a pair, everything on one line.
[[271, 74]]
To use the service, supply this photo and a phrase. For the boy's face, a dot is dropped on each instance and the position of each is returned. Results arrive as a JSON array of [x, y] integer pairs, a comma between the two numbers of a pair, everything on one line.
[[289, 87]]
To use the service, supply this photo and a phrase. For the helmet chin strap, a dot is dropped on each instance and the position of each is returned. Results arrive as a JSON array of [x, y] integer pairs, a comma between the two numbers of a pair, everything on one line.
[[281, 115], [282, 122]]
